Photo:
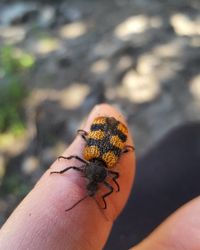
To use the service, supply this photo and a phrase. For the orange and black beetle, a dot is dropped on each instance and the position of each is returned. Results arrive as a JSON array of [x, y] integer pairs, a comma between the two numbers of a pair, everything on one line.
[[105, 142]]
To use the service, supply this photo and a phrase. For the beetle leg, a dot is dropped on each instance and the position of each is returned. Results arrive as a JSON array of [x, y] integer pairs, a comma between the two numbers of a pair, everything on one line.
[[128, 148], [107, 194], [115, 177], [66, 169], [73, 156], [83, 134]]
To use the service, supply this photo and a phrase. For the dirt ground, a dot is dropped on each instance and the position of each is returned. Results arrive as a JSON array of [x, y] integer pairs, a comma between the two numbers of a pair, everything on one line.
[[141, 56]]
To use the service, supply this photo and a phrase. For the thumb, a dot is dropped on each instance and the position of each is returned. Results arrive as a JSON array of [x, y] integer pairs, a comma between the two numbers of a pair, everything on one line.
[[41, 222]]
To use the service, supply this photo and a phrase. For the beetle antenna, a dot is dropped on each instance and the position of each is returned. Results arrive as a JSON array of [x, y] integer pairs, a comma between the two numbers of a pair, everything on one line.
[[77, 203]]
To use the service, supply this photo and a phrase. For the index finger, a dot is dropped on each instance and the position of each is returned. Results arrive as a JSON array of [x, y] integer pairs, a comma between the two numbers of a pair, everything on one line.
[[41, 218]]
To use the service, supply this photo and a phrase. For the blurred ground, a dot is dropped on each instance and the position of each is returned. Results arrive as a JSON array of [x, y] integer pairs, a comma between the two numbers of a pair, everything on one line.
[[142, 56]]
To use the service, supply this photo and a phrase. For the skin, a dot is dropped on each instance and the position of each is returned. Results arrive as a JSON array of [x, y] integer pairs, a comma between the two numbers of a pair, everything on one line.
[[40, 220]]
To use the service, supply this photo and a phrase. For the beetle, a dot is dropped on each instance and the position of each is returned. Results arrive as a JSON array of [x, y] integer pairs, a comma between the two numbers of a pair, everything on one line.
[[105, 143]]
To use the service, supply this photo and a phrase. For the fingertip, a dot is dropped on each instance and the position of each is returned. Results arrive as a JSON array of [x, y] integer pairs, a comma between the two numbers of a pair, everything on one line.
[[126, 164]]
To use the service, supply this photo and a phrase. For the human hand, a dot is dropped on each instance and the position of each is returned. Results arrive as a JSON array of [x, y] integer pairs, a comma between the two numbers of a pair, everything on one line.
[[40, 221]]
